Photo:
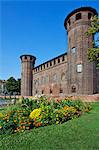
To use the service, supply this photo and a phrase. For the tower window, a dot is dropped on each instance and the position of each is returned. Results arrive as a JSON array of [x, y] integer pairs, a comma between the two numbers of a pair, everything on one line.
[[73, 89], [78, 16], [30, 58], [73, 50], [89, 16], [25, 57]]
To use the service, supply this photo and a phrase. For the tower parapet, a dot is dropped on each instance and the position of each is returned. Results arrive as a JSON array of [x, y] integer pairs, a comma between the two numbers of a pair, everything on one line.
[[27, 62]]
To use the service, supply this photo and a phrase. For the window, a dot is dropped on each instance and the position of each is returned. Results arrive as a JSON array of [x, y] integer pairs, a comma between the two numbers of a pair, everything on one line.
[[50, 91], [25, 57], [73, 50], [54, 77], [31, 58], [42, 91], [61, 90], [78, 16], [89, 16], [73, 89], [63, 76]]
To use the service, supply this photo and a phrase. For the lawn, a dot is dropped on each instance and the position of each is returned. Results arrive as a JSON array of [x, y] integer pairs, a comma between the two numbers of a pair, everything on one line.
[[77, 134]]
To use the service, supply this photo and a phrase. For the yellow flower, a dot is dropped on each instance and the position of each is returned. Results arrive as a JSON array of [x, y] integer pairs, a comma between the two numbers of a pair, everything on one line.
[[35, 113], [1, 115]]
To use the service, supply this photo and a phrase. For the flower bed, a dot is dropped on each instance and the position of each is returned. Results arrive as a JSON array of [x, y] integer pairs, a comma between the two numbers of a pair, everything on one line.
[[39, 111]]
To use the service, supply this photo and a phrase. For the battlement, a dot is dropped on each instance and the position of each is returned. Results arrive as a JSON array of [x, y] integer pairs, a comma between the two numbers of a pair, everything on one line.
[[51, 63], [83, 14], [27, 58]]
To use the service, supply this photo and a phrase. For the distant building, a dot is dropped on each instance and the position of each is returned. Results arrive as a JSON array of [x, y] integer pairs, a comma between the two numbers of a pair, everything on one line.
[[69, 73], [3, 89]]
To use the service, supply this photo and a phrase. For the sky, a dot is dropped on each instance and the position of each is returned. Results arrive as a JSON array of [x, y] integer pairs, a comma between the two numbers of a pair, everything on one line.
[[35, 28]]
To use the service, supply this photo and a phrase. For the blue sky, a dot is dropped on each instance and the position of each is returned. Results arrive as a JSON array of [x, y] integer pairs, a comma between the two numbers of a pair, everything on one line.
[[33, 27]]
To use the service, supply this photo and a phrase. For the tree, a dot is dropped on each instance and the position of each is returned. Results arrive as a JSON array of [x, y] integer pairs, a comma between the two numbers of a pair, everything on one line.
[[19, 86], [93, 53], [13, 85]]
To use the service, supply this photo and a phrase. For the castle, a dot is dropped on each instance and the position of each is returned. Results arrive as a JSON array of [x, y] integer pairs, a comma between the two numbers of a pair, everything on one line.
[[70, 73]]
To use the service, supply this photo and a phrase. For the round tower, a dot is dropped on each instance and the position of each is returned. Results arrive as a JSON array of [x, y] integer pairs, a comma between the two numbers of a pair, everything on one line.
[[81, 73], [28, 62]]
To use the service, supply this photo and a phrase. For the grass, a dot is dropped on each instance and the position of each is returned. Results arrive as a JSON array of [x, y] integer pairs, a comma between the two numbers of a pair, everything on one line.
[[78, 134]]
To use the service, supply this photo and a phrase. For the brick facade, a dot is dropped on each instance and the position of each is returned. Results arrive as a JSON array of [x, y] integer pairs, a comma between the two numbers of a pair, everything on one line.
[[69, 73]]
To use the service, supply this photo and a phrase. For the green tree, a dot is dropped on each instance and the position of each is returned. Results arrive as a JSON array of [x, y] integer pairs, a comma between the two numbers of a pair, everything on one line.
[[19, 86], [13, 85], [93, 53]]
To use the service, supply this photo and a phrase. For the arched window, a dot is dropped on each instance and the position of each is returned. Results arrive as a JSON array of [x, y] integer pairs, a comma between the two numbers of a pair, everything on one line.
[[50, 91], [61, 90], [73, 89], [63, 76], [54, 77], [42, 91], [78, 16]]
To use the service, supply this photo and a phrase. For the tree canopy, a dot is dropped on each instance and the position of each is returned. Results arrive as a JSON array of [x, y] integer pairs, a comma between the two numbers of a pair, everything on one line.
[[13, 85], [93, 53]]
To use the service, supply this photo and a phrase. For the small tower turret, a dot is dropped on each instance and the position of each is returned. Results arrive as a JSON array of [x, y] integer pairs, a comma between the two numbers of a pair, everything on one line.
[[27, 62]]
